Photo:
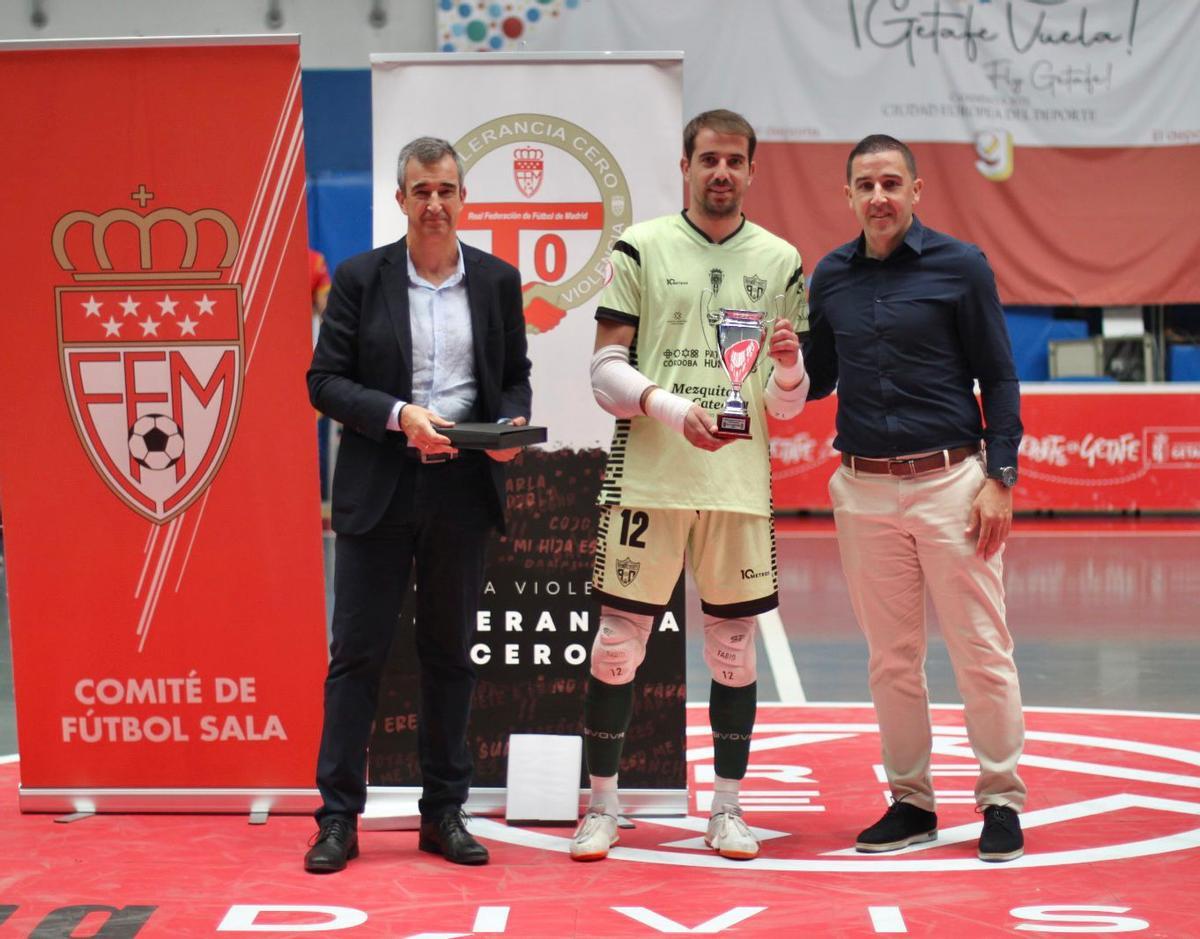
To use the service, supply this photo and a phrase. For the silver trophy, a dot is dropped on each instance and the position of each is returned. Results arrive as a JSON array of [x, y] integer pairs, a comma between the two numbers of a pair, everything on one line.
[[740, 336]]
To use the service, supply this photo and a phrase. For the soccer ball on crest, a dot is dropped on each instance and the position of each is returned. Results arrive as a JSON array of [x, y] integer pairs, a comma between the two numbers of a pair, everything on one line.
[[155, 441]]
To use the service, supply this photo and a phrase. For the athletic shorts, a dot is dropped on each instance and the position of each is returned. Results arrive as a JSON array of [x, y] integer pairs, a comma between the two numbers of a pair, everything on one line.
[[640, 555]]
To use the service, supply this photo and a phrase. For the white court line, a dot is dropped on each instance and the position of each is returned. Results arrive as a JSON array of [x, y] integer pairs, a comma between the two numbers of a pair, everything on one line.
[[1028, 709], [1018, 533], [1080, 533], [779, 655]]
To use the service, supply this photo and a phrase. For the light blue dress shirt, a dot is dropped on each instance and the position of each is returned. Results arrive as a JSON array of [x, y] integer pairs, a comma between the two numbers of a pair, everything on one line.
[[443, 358]]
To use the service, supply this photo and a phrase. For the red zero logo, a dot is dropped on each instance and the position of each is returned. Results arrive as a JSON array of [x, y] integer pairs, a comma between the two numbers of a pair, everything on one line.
[[1103, 786], [548, 197]]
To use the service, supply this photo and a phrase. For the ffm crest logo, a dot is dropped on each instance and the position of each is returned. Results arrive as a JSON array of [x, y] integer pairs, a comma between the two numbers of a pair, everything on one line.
[[151, 348], [529, 169]]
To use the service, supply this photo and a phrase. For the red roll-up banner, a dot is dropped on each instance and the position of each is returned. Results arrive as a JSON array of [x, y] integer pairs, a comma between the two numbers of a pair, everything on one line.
[[1085, 449], [158, 469]]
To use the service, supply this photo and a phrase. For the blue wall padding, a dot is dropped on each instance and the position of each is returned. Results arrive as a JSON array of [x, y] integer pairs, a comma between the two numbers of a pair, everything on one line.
[[337, 120], [339, 215], [1031, 329], [1183, 362]]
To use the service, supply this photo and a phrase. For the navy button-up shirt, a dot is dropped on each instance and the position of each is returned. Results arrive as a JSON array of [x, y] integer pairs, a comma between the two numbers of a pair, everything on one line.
[[904, 339]]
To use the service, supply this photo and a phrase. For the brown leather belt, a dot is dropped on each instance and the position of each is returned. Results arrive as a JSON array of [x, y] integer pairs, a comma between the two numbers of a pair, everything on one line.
[[941, 460]]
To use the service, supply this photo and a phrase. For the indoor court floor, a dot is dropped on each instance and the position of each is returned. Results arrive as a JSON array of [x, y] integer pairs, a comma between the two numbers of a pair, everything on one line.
[[1104, 612]]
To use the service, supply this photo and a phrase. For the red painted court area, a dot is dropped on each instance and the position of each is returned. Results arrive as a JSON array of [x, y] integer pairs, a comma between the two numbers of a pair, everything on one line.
[[1113, 844]]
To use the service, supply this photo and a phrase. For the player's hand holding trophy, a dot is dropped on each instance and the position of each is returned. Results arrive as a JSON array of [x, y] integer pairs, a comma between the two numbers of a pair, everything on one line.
[[740, 335]]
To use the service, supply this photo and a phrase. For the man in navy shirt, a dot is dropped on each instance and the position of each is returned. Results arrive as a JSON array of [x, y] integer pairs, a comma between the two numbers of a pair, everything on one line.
[[904, 321]]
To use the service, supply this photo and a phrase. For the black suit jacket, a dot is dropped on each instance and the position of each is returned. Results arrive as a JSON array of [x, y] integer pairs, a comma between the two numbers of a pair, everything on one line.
[[363, 363]]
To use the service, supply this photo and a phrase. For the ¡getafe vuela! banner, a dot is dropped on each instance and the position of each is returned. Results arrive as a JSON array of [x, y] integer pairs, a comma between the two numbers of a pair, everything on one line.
[[157, 469], [1015, 109]]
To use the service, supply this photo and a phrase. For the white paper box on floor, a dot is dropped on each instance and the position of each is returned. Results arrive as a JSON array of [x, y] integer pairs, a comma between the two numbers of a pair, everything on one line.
[[543, 778], [391, 808]]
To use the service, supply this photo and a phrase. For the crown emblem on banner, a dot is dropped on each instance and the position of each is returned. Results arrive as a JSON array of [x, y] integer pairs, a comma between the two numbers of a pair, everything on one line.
[[151, 347], [100, 265], [529, 169], [529, 154]]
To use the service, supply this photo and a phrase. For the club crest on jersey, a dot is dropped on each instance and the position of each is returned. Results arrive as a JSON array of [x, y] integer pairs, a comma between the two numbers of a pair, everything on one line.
[[627, 570], [715, 278], [755, 287], [151, 348], [529, 169]]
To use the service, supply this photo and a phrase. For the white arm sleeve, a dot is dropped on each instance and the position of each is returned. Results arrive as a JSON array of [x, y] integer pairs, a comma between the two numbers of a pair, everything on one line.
[[618, 388], [667, 408], [787, 404], [616, 385]]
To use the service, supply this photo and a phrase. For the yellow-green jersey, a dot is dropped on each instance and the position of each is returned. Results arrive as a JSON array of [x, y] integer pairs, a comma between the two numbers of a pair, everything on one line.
[[671, 282]]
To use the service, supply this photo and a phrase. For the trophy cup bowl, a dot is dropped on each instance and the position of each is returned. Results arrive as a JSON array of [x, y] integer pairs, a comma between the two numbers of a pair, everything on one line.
[[739, 339]]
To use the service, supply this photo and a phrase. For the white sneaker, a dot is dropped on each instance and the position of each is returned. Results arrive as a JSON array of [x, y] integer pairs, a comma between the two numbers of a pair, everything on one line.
[[730, 836], [594, 836]]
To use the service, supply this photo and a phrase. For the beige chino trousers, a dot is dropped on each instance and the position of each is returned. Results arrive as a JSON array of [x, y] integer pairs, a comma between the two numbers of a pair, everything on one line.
[[898, 536]]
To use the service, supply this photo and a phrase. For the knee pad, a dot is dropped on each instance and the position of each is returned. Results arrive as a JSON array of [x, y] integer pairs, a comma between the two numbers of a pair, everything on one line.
[[620, 645], [729, 650]]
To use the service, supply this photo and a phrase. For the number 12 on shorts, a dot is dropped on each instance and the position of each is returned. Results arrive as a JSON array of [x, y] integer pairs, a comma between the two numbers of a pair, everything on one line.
[[633, 526]]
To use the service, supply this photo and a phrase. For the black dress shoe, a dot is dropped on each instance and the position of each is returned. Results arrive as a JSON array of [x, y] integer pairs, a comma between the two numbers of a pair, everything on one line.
[[901, 825], [1002, 839], [448, 836], [333, 845]]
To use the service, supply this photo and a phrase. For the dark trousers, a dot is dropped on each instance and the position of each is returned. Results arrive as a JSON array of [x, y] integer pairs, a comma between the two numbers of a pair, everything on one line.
[[437, 526]]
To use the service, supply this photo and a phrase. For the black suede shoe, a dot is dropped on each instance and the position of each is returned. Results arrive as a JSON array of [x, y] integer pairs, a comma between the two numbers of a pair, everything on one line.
[[448, 836], [1001, 839], [902, 824], [333, 845]]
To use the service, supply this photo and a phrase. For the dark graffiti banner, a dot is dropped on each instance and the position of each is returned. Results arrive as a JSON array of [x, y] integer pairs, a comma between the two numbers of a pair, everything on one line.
[[532, 639]]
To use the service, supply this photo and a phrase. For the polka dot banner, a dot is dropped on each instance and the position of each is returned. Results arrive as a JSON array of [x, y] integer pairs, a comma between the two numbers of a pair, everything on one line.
[[482, 27]]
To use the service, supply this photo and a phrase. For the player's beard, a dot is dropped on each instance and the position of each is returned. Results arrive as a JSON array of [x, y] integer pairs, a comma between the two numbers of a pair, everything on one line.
[[714, 209]]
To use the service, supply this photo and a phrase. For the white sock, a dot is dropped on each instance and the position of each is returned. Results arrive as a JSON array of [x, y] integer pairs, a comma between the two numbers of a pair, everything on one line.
[[725, 794], [604, 796]]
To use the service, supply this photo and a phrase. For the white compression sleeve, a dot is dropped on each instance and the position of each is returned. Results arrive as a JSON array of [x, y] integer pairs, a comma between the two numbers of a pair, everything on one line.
[[616, 385], [618, 388], [667, 408], [787, 404]]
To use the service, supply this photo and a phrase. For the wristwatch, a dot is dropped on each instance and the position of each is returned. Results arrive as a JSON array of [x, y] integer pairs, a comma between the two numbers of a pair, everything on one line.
[[1006, 474]]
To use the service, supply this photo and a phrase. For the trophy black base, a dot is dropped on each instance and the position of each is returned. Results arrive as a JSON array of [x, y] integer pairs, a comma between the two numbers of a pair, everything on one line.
[[733, 426]]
